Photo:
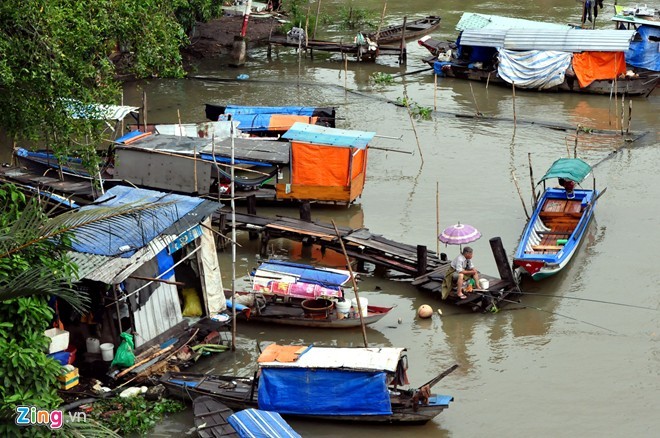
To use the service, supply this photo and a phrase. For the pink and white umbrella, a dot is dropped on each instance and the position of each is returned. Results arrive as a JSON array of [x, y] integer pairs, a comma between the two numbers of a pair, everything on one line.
[[459, 234]]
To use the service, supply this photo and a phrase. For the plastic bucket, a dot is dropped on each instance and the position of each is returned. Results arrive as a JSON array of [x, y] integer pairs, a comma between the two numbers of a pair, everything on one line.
[[343, 308], [364, 303], [483, 283], [93, 345], [107, 352]]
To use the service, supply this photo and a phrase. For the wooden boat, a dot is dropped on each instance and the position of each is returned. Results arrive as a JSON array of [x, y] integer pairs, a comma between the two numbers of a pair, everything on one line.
[[559, 221], [641, 85], [293, 314], [306, 296], [294, 381], [211, 418], [414, 29]]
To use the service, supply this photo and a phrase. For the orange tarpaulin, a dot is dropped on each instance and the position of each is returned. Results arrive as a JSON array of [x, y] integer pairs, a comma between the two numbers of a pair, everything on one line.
[[281, 353], [283, 122], [590, 66], [316, 165]]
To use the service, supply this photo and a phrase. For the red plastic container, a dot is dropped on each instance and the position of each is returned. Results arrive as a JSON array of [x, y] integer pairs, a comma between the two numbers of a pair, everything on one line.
[[72, 354]]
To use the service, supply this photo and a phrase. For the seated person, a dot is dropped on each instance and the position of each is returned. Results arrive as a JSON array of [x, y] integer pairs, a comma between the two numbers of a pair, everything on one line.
[[463, 269], [567, 185]]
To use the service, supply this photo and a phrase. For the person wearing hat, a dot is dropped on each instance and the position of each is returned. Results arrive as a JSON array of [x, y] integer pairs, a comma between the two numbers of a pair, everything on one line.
[[463, 270]]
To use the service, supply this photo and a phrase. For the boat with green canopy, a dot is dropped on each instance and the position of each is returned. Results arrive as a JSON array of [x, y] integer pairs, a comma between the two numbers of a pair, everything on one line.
[[559, 222]]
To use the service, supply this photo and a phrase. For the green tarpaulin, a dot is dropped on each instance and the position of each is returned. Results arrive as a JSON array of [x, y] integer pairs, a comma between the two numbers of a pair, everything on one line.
[[572, 169]]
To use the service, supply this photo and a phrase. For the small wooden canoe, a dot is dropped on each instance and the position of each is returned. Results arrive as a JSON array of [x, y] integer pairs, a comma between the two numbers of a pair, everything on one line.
[[287, 314], [414, 29], [211, 418]]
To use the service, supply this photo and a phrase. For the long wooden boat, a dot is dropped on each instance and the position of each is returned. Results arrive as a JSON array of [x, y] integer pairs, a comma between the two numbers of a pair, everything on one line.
[[303, 295], [294, 314], [414, 29], [211, 418], [641, 85], [559, 222], [294, 381]]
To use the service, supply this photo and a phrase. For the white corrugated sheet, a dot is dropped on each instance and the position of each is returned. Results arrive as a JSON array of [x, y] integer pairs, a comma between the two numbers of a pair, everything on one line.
[[367, 359], [572, 40], [470, 20]]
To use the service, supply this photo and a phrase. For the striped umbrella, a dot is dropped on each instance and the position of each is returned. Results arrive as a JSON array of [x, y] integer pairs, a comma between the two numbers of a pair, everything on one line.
[[459, 234]]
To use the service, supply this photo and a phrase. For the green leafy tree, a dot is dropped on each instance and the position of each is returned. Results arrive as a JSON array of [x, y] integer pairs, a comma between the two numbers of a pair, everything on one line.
[[56, 53], [34, 266]]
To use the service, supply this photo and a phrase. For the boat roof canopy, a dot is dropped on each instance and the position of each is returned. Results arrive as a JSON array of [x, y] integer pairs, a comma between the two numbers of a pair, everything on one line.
[[573, 169], [328, 277], [322, 135], [347, 359], [563, 40]]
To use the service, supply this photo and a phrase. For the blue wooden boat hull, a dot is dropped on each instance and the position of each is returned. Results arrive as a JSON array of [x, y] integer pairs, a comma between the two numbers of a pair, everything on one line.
[[542, 251]]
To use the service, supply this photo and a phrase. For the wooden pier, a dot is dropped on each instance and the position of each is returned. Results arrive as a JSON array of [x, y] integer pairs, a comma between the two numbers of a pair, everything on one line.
[[361, 52], [425, 268]]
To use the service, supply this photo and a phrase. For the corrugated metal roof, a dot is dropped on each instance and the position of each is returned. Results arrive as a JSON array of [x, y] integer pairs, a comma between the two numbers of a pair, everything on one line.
[[470, 20], [99, 111], [367, 359], [572, 40], [321, 135], [114, 268]]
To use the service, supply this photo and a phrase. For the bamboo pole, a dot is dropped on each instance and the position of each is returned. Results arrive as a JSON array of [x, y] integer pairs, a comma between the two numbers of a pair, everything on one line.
[[515, 181], [577, 134], [475, 101], [435, 92], [380, 23], [159, 280], [345, 72], [355, 287], [402, 47], [623, 110], [316, 19], [309, 8], [412, 122], [488, 80], [233, 246], [437, 218], [144, 109], [629, 115], [513, 90], [531, 178]]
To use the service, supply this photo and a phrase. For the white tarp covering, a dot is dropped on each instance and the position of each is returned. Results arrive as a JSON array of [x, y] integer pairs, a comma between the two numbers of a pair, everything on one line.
[[218, 130], [533, 69], [214, 294], [368, 359]]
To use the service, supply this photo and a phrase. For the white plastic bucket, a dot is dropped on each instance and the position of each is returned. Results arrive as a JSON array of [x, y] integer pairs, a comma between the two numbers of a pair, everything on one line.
[[483, 283], [363, 303], [93, 345], [343, 308], [107, 352]]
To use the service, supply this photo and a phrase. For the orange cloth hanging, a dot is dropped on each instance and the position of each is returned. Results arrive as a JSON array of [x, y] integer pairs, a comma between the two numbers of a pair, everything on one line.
[[591, 66]]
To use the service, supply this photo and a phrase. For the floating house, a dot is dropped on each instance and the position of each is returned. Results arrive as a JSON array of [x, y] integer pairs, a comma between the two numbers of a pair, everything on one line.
[[327, 164], [131, 265]]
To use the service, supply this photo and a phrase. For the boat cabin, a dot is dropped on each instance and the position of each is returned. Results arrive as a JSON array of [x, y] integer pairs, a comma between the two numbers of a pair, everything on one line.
[[309, 376], [327, 164]]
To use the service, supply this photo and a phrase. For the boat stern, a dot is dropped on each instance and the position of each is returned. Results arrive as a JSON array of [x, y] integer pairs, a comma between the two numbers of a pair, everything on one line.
[[537, 269]]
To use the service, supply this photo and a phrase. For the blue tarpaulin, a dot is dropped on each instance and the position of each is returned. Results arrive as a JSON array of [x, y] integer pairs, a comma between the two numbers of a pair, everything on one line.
[[254, 423], [292, 110], [645, 53], [307, 273], [137, 230], [323, 392]]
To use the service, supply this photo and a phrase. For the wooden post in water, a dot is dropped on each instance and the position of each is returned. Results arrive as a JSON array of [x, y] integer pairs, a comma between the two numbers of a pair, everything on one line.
[[629, 115], [623, 109], [513, 90], [222, 226], [402, 55], [316, 24], [515, 181], [422, 260], [252, 209], [501, 259], [577, 133], [355, 287], [306, 211]]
